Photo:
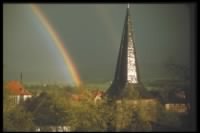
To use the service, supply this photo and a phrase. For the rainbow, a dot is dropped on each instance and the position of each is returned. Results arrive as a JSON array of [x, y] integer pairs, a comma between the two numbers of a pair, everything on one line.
[[58, 42]]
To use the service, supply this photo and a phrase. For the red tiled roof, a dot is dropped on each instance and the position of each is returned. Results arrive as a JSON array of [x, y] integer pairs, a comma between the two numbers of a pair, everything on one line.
[[16, 88]]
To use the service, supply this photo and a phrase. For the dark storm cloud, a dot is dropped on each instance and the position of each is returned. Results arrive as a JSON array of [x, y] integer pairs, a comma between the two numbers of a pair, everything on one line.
[[92, 35]]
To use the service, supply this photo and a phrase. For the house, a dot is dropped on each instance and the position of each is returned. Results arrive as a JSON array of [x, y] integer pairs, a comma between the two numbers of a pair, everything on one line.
[[17, 91], [54, 129], [177, 101], [98, 96]]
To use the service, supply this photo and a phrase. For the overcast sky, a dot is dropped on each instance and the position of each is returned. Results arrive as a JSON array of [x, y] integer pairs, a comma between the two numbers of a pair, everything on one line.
[[92, 33]]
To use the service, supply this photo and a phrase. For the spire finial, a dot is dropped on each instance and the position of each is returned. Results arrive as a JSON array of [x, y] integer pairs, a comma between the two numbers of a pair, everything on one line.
[[128, 5]]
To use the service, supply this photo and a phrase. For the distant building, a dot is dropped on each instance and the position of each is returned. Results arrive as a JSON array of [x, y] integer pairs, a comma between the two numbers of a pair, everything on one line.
[[176, 107], [98, 96], [177, 101], [17, 91], [54, 129]]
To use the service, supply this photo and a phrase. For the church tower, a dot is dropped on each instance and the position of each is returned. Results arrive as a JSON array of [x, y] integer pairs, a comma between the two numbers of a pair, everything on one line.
[[127, 73]]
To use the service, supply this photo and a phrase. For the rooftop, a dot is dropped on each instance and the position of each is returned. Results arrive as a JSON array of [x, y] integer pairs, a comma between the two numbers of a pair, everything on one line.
[[16, 88]]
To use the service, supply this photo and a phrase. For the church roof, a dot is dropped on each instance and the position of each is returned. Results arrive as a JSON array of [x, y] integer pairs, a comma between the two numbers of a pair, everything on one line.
[[126, 72]]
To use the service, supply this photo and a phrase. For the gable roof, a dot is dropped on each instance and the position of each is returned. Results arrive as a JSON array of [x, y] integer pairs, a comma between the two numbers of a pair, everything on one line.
[[16, 88]]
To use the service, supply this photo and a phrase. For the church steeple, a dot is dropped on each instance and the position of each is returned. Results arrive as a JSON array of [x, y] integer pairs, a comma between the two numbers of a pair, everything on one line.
[[127, 72]]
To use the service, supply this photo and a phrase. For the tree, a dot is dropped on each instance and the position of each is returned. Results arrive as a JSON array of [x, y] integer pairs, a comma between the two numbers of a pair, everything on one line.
[[184, 73], [88, 116], [45, 111], [131, 92], [15, 117]]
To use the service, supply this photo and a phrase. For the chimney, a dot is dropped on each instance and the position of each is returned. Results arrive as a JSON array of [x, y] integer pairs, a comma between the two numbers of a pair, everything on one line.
[[21, 78]]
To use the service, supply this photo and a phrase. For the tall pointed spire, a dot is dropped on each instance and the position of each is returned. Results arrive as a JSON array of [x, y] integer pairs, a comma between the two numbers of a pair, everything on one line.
[[127, 73]]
